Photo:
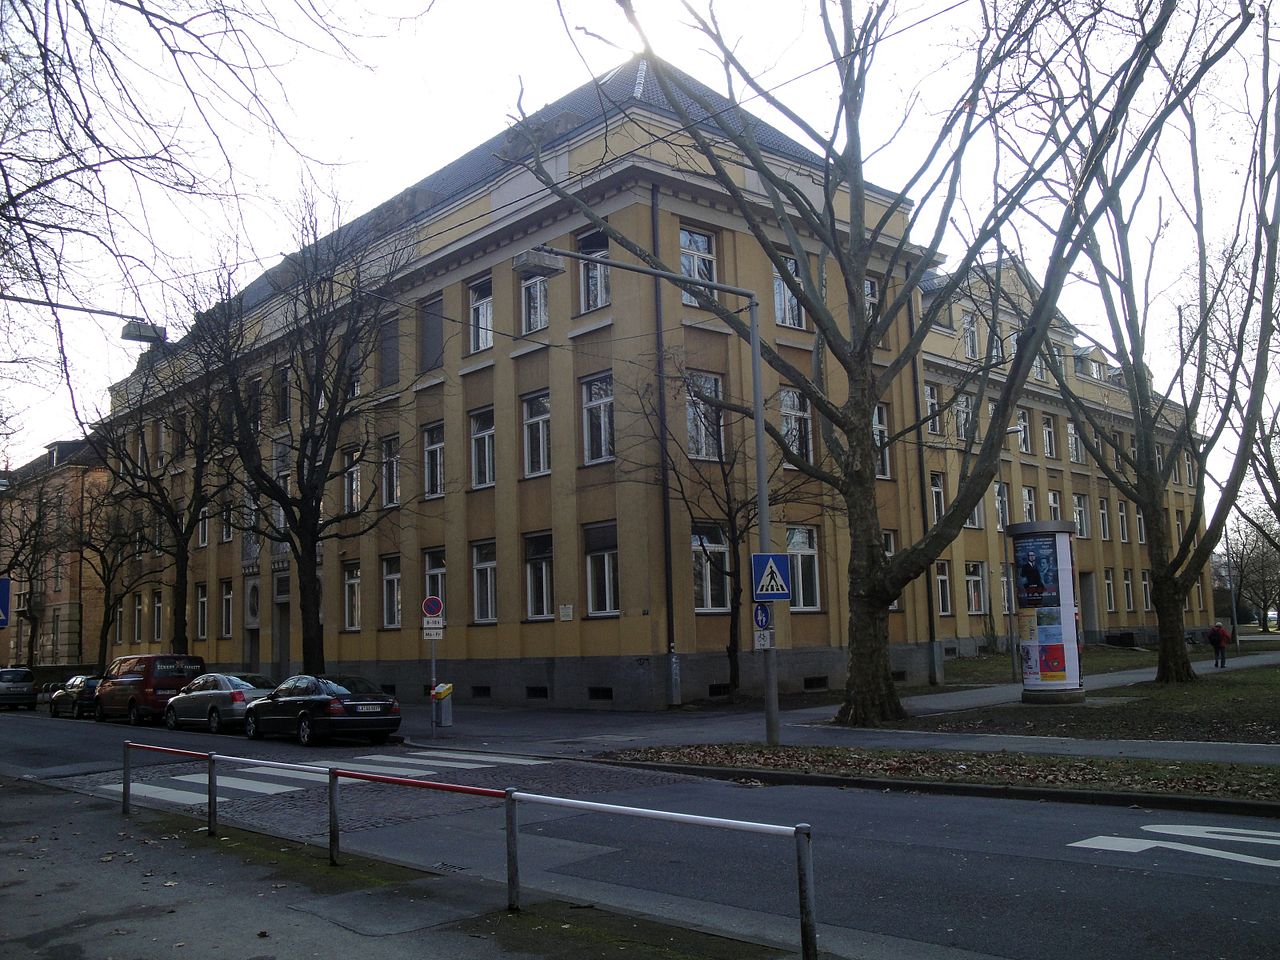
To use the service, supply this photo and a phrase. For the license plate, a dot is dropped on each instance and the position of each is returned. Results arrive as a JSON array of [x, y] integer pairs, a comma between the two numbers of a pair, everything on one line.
[[368, 708]]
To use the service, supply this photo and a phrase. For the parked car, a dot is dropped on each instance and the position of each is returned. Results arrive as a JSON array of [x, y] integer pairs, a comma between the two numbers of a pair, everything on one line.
[[17, 688], [138, 687], [315, 708], [75, 697], [216, 700]]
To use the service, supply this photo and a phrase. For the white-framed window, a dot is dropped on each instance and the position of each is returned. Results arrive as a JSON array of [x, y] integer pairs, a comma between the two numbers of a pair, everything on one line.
[[1109, 588], [1146, 589], [890, 540], [697, 260], [59, 565], [600, 543], [1175, 471], [535, 312], [802, 552], [481, 323], [137, 618], [977, 517], [964, 417], [118, 636], [484, 581], [537, 571], [157, 615], [710, 569], [350, 480], [1055, 505], [202, 611], [391, 592], [1080, 513], [1075, 449], [593, 277], [228, 527], [1104, 518], [351, 595], [786, 307], [1028, 504], [997, 341], [938, 495], [433, 460], [969, 335], [1199, 594], [796, 422], [702, 416], [597, 419], [1179, 526], [871, 294], [226, 607], [433, 574], [1095, 369], [1049, 436], [880, 434], [202, 528], [390, 471], [537, 434], [1037, 367], [1122, 520], [1189, 469], [482, 456], [1002, 504], [1024, 432], [1142, 524], [975, 586], [932, 401], [1128, 589], [942, 577]]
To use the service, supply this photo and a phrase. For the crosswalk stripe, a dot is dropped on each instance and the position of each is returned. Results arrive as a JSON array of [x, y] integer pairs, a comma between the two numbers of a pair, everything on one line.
[[380, 768], [307, 775], [240, 783], [491, 758], [187, 797], [383, 758]]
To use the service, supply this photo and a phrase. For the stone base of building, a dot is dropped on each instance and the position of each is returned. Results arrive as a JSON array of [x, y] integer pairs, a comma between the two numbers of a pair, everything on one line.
[[1045, 697]]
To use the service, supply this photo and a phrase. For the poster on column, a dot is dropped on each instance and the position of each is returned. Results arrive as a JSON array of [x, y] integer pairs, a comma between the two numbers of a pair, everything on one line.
[[1035, 558], [1046, 598]]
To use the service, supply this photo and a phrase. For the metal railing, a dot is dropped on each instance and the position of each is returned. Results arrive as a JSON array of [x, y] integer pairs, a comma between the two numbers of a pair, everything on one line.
[[511, 798]]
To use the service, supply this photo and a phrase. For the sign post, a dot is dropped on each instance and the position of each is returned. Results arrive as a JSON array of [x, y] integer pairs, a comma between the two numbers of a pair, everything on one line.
[[433, 630]]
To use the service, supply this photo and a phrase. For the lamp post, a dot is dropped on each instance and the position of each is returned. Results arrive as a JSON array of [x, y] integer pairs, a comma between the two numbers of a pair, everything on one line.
[[757, 412], [1007, 598]]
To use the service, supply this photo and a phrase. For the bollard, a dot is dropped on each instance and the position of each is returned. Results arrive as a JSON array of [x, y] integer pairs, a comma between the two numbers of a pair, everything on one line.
[[808, 908], [333, 818], [124, 787], [513, 851], [212, 829]]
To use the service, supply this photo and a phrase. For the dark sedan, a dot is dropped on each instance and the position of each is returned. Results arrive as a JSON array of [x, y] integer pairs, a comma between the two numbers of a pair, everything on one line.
[[74, 698], [316, 708]]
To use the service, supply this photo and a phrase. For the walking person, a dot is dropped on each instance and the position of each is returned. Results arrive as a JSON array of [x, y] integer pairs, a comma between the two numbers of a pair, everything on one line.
[[1219, 637]]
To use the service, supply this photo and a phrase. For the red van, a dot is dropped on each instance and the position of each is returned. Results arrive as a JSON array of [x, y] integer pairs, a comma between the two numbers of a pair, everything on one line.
[[138, 687]]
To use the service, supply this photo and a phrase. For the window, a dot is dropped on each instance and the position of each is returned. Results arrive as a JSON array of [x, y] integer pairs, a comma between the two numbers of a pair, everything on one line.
[[350, 481], [481, 323], [484, 581], [433, 573], [1028, 504], [1109, 588], [942, 577], [433, 460], [597, 419], [228, 528], [431, 334], [786, 307], [710, 569], [1055, 505], [157, 615], [537, 568], [975, 586], [1200, 594], [1146, 589], [390, 471], [389, 353], [1002, 504], [390, 592], [601, 546], [938, 496], [482, 460], [871, 293], [802, 551], [1104, 518], [137, 618], [1075, 449], [797, 422], [1188, 464], [1179, 525], [1175, 472], [976, 517], [1024, 432], [1050, 436], [931, 404], [997, 342], [118, 637], [1037, 367], [225, 607], [1122, 517], [594, 276], [697, 260], [535, 313], [537, 434], [1095, 369], [880, 433], [1142, 524], [253, 405], [1080, 513], [1117, 458], [969, 335], [202, 528], [703, 416], [890, 546], [1128, 589], [59, 564], [351, 595], [202, 611]]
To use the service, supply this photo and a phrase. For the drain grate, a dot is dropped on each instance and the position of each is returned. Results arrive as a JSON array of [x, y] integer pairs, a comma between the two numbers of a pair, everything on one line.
[[448, 867]]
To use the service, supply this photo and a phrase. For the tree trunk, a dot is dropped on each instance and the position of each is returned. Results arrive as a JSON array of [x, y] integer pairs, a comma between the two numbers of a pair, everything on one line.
[[1175, 665], [32, 637], [309, 607], [735, 620], [181, 567], [104, 640]]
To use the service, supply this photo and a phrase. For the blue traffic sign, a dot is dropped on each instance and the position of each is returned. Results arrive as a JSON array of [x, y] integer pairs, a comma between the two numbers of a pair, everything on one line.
[[770, 576], [761, 616], [4, 601]]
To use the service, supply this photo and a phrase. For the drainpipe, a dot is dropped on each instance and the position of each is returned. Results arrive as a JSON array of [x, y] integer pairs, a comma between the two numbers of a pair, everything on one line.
[[934, 654], [673, 660]]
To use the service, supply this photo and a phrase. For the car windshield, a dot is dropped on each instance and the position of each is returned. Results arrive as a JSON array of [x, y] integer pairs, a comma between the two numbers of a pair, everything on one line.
[[250, 681], [178, 667], [346, 684], [16, 676]]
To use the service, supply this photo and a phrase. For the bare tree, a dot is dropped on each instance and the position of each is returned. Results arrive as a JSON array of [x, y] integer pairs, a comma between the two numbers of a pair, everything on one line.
[[35, 532], [1028, 81]]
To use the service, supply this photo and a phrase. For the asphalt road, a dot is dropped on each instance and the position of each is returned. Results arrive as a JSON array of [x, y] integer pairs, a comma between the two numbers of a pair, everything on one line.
[[897, 875]]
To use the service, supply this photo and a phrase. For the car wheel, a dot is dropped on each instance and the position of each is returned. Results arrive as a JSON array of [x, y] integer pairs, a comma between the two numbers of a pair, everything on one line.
[[307, 735], [251, 727], [170, 718], [215, 721], [135, 715], [53, 708]]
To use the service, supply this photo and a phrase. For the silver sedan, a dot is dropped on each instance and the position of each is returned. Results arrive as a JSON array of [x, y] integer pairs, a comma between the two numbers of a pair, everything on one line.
[[216, 701]]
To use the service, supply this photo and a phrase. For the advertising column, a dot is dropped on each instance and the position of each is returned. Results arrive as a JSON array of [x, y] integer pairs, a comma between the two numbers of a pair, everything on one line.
[[1045, 592]]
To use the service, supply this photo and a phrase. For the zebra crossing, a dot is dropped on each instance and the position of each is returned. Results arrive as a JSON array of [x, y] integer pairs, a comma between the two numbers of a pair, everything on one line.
[[239, 783]]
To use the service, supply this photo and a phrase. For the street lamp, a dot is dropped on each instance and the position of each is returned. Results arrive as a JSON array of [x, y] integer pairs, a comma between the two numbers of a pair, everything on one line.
[[757, 411], [1007, 597]]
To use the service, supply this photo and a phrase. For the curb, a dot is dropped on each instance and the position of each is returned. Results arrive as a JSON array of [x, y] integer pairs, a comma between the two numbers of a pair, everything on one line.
[[781, 778]]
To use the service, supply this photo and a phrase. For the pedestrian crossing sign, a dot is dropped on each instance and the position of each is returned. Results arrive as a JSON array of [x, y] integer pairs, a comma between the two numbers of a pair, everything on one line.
[[770, 577]]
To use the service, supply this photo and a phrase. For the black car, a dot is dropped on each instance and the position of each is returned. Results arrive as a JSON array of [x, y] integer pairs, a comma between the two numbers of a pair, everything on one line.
[[315, 708], [74, 698]]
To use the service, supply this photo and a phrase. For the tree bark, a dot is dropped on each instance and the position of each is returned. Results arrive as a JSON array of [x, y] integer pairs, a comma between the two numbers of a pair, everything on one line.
[[181, 566], [1175, 665], [309, 607]]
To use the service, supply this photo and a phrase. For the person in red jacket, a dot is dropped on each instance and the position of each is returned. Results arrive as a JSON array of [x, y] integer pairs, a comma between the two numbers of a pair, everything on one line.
[[1219, 638]]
